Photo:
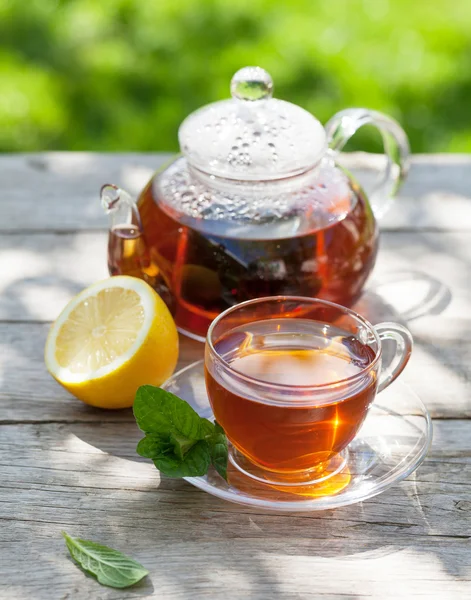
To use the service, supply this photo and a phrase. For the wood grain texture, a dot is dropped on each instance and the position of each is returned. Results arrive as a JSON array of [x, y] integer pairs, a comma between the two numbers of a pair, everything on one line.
[[416, 274], [64, 465], [430, 294], [436, 194], [59, 190], [29, 394], [412, 541]]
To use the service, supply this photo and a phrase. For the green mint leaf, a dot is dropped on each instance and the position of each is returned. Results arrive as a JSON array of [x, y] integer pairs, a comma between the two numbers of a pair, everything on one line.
[[193, 464], [161, 413], [176, 457], [218, 449], [152, 446], [207, 428], [181, 445], [178, 441], [110, 567]]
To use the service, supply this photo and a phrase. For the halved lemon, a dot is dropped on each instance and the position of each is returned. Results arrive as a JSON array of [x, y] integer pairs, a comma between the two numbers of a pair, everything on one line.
[[111, 338]]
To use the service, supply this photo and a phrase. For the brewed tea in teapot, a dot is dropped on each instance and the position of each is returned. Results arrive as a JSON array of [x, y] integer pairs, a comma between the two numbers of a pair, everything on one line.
[[257, 205]]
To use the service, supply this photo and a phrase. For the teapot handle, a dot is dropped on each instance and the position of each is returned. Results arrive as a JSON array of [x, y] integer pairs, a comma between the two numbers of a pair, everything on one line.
[[346, 123]]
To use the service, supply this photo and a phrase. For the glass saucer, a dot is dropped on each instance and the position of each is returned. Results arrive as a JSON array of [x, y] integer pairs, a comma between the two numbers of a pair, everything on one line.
[[391, 444]]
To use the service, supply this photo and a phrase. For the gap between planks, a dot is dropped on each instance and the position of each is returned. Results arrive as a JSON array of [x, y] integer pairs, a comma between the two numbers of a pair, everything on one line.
[[105, 230], [14, 422]]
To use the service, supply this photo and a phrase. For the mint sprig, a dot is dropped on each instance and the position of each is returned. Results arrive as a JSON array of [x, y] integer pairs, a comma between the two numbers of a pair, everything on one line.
[[110, 567], [178, 441]]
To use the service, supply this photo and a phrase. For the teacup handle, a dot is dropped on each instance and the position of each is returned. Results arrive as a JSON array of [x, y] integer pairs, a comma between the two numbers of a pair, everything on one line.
[[403, 340]]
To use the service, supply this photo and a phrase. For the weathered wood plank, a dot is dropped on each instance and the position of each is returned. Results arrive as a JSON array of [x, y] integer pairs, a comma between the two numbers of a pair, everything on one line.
[[278, 569], [39, 273], [430, 294], [59, 190], [28, 392], [416, 273], [75, 468], [439, 372], [436, 194], [412, 541]]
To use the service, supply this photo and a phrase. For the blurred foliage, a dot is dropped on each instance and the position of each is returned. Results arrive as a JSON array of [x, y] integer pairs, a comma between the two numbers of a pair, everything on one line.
[[122, 74]]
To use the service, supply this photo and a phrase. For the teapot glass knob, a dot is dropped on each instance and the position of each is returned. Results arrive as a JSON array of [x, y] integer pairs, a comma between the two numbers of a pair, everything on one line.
[[252, 83]]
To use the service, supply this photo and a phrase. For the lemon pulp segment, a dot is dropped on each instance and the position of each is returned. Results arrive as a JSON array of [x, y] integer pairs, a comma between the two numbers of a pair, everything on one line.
[[99, 330]]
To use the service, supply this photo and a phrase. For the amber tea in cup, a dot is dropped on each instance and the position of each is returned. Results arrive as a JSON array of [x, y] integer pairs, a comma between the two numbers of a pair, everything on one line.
[[291, 380]]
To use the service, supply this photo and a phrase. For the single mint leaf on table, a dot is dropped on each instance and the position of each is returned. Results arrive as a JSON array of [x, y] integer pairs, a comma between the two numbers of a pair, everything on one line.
[[178, 441], [110, 567]]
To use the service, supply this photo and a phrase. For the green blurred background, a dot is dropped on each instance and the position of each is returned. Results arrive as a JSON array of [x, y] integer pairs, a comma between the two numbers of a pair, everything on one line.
[[117, 75]]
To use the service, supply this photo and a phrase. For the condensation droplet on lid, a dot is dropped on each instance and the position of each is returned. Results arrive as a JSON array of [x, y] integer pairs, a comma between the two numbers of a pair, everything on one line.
[[271, 144], [235, 148], [245, 145]]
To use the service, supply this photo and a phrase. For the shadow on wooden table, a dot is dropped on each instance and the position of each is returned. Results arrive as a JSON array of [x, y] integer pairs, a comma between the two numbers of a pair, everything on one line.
[[403, 296], [434, 298], [405, 521]]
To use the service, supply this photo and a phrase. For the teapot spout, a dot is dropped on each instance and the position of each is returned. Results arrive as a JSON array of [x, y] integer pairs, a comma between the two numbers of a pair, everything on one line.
[[120, 207], [128, 253]]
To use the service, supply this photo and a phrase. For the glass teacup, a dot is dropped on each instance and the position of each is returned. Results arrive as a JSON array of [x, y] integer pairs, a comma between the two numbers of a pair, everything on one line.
[[291, 380]]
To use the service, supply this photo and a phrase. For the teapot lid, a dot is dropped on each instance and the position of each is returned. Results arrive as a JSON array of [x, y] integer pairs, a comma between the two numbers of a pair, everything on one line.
[[252, 136]]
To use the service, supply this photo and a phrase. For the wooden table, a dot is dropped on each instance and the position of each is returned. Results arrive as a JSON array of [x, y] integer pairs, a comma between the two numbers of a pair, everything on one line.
[[65, 466]]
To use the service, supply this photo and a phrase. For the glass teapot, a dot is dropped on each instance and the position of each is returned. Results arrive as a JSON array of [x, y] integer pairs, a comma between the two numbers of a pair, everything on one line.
[[256, 205]]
